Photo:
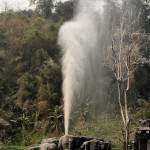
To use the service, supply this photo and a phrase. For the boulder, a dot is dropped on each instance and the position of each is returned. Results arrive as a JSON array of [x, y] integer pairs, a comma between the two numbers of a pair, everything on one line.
[[90, 145], [34, 148], [48, 146], [78, 141], [68, 142], [50, 140], [64, 142], [45, 146], [95, 145], [74, 142]]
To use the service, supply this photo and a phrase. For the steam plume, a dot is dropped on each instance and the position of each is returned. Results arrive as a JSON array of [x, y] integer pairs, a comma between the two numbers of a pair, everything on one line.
[[80, 46]]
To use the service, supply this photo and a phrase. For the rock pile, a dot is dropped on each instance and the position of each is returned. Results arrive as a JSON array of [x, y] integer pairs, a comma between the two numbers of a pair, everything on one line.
[[69, 142]]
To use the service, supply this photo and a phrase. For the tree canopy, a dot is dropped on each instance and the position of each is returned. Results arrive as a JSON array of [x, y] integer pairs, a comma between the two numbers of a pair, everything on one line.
[[30, 67]]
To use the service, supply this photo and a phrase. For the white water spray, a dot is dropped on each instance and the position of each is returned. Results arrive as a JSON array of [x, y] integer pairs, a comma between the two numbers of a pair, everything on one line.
[[79, 42]]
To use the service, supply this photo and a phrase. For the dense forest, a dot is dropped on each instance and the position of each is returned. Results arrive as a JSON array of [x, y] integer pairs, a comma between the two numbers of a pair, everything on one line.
[[31, 101]]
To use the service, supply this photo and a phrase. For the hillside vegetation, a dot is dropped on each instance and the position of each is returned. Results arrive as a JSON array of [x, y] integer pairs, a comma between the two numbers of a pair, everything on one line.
[[31, 101]]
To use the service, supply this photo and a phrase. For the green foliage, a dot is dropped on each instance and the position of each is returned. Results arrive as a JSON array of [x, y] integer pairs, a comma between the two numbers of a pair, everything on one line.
[[65, 10], [12, 147], [56, 119], [106, 126], [26, 89], [142, 111], [30, 77], [31, 81], [44, 7], [142, 81]]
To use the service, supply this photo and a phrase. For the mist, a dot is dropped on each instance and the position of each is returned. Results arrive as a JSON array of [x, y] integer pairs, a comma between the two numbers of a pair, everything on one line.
[[80, 43]]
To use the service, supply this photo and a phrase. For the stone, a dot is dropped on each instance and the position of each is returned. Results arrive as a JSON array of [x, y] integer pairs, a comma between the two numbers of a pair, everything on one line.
[[48, 146], [63, 142], [75, 142], [90, 145], [69, 142], [50, 140], [34, 148], [45, 146], [95, 145]]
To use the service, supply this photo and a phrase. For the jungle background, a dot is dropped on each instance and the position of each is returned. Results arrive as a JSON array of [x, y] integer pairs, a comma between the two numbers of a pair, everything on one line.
[[31, 101]]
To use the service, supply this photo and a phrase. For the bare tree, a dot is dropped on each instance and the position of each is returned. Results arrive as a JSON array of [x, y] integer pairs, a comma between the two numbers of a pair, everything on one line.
[[124, 58], [18, 5], [5, 6]]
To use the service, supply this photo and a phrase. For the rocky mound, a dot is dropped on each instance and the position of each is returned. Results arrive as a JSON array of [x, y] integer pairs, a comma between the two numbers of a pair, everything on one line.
[[69, 142]]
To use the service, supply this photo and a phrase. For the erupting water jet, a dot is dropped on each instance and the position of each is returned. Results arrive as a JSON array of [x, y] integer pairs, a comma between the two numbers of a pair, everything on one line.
[[79, 42]]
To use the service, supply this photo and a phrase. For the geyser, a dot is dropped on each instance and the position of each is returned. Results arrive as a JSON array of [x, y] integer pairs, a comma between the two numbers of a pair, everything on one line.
[[80, 45]]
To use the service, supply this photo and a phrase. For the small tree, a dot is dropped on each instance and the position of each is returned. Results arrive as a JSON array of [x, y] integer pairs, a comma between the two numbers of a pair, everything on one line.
[[44, 7], [124, 56]]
